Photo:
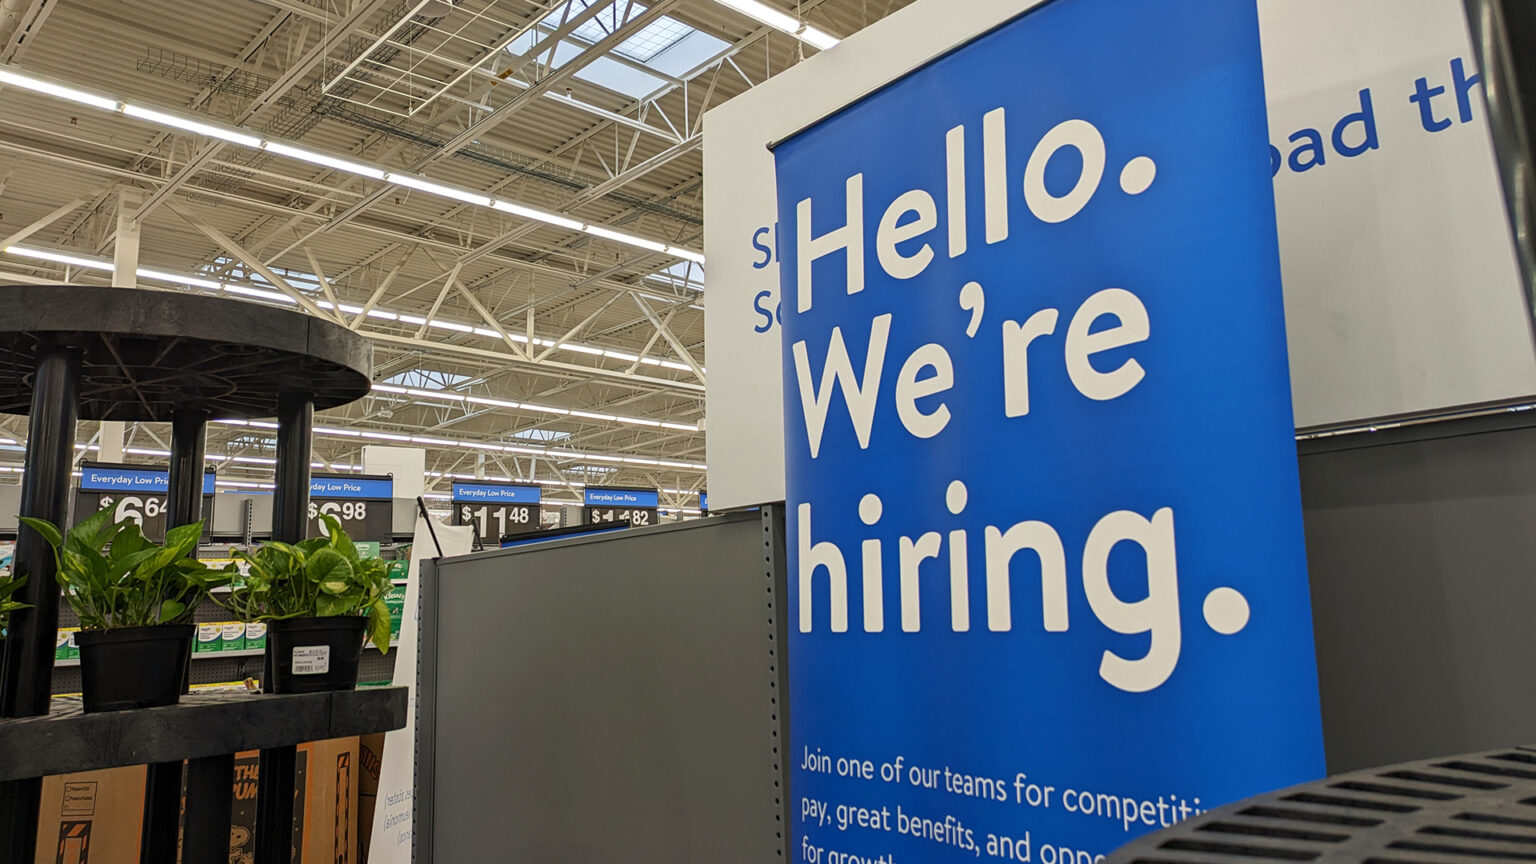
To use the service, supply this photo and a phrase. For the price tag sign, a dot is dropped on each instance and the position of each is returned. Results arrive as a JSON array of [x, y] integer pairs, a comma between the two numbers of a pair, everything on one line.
[[138, 494], [635, 506], [497, 509], [362, 503]]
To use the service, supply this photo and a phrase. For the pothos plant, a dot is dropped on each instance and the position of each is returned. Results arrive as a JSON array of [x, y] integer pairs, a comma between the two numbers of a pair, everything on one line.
[[9, 585], [321, 577], [113, 576]]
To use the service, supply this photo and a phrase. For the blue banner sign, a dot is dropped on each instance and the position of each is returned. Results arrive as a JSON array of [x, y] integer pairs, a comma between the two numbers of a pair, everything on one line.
[[595, 497], [1047, 583], [703, 500], [108, 478], [341, 486], [497, 493]]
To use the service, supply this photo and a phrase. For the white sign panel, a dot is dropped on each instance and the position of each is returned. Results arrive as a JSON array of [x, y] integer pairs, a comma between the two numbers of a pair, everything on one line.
[[1402, 294]]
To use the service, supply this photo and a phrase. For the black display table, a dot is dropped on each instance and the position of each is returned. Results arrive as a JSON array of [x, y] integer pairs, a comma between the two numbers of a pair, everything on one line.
[[1475, 808], [69, 353], [213, 724]]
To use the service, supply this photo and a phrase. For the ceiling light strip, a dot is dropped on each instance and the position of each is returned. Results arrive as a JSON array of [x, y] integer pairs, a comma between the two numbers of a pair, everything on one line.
[[449, 396], [782, 21], [236, 135]]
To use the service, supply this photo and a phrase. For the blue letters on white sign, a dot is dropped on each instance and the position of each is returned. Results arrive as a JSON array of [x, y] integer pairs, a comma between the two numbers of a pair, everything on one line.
[[497, 492], [335, 486], [1047, 579], [593, 497]]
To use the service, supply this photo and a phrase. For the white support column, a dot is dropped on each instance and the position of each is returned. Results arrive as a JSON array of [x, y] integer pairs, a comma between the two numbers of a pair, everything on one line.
[[125, 271], [125, 251]]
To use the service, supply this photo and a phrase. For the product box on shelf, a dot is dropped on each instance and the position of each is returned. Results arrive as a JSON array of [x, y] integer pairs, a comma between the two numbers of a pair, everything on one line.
[[61, 645], [256, 635], [209, 639], [93, 816], [232, 636], [324, 805], [395, 600], [72, 647]]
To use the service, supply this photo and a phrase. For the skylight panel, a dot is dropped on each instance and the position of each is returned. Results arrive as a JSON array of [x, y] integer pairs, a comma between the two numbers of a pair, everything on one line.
[[655, 38]]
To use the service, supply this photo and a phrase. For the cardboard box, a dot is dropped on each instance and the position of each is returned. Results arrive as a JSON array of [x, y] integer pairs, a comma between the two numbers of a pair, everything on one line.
[[232, 636], [61, 645], [324, 804], [255, 635], [209, 639], [94, 817], [72, 649], [370, 763]]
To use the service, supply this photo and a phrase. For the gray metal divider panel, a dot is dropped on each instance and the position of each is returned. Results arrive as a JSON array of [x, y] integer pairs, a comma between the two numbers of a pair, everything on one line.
[[606, 698]]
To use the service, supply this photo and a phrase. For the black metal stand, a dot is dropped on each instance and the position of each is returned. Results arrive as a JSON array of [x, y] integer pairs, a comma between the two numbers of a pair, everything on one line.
[[81, 353], [290, 514], [26, 684], [163, 780]]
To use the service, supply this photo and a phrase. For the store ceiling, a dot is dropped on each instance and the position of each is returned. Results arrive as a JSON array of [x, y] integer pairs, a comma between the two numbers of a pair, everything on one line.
[[587, 108]]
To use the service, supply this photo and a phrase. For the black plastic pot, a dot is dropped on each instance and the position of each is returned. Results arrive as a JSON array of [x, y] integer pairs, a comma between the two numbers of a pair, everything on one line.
[[134, 667], [312, 655]]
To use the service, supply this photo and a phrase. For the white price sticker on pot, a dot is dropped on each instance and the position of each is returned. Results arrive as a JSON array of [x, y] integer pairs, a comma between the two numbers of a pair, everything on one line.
[[311, 659]]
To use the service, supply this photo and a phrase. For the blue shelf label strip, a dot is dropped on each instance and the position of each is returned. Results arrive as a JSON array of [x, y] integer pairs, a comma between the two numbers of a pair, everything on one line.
[[621, 498], [470, 493], [371, 488], [142, 480]]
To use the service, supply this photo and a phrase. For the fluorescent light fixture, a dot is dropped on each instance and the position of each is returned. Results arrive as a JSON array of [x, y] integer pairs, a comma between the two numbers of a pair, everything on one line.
[[537, 215], [314, 158], [686, 254], [38, 85], [763, 13], [177, 278], [621, 237], [59, 258], [817, 38], [223, 133], [781, 21], [411, 181], [257, 292]]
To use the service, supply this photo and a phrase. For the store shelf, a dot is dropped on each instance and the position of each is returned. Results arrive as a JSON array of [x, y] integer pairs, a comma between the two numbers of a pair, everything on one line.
[[211, 655], [204, 724]]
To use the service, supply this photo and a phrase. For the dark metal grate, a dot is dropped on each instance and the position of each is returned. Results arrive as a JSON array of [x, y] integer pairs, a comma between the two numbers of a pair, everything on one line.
[[1479, 807]]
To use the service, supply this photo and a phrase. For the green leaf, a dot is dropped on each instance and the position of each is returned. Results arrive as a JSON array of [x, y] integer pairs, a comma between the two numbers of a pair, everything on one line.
[[170, 610], [48, 530], [120, 567], [97, 523], [183, 538], [327, 606], [378, 626], [128, 541], [328, 565]]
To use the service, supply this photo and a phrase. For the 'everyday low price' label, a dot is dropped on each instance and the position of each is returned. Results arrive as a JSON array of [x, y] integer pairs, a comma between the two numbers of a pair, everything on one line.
[[311, 659]]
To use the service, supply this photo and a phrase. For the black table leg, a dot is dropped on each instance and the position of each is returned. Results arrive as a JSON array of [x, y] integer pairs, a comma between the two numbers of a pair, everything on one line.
[[162, 813], [210, 800], [19, 802], [26, 680], [274, 806]]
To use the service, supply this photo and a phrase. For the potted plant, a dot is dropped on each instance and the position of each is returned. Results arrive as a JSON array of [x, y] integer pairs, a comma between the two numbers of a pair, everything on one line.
[[134, 598], [9, 585], [318, 598]]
